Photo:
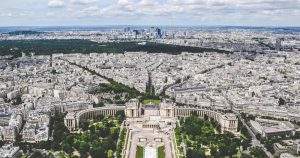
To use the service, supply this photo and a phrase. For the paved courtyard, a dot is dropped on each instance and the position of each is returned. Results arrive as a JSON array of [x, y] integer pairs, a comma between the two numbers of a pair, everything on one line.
[[150, 145], [150, 152]]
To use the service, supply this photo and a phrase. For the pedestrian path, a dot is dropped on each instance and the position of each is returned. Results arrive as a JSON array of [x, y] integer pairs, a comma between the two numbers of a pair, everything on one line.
[[150, 152]]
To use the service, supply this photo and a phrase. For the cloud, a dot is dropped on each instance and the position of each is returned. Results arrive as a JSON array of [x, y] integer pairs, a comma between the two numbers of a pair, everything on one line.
[[160, 11], [6, 14], [124, 2], [56, 4], [84, 2], [209, 9], [91, 11]]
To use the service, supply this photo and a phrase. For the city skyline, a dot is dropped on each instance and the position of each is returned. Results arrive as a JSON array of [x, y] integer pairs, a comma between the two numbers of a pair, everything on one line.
[[150, 12], [149, 78]]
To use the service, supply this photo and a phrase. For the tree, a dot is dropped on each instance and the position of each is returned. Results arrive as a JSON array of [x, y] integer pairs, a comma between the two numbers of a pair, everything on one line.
[[246, 143], [83, 148], [117, 97], [66, 148], [244, 131], [224, 150], [69, 139], [269, 145], [115, 134], [120, 115], [1, 143], [97, 152], [258, 152], [232, 149], [166, 79], [18, 100], [201, 132], [100, 104], [100, 117], [281, 101], [218, 128], [108, 123], [152, 90], [246, 156], [178, 81], [53, 71], [247, 117], [43, 145], [103, 131], [60, 131], [214, 151], [110, 154], [253, 94], [205, 117], [76, 144], [37, 154], [194, 153], [109, 144], [93, 129], [240, 125], [84, 124], [258, 136], [193, 125]]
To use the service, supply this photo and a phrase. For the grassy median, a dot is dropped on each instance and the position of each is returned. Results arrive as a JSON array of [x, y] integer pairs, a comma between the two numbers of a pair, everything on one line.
[[139, 152], [161, 152]]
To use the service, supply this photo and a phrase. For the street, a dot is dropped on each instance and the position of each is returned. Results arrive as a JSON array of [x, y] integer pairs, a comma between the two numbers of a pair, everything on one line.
[[255, 142]]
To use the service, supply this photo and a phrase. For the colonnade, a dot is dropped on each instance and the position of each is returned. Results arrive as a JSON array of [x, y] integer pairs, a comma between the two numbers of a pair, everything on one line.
[[228, 121], [150, 126], [72, 120]]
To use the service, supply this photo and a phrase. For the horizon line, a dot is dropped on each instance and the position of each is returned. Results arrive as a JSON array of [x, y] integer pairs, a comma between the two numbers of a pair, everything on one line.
[[146, 25]]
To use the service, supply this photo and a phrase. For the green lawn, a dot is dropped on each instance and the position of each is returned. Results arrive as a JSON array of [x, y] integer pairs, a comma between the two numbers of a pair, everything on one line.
[[200, 130], [151, 101], [139, 152], [161, 152]]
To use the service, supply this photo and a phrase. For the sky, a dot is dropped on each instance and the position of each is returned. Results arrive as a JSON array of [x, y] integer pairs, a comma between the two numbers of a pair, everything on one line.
[[150, 12]]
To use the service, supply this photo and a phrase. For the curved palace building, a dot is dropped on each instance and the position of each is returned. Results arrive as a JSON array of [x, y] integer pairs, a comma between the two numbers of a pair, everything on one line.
[[151, 115]]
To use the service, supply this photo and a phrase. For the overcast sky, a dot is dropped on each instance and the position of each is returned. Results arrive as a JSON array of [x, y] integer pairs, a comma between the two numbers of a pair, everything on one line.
[[149, 12]]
